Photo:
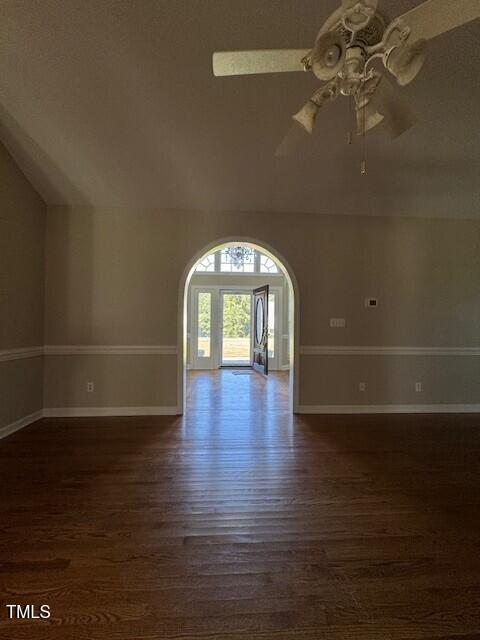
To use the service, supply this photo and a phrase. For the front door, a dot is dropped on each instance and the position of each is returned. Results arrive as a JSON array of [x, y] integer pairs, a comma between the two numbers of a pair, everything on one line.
[[260, 329]]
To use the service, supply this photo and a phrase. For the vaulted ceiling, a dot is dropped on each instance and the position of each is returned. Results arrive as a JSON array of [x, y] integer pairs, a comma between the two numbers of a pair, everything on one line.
[[113, 103]]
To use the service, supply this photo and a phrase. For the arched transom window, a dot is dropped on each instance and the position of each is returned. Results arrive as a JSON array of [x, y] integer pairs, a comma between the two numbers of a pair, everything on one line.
[[237, 260], [206, 264]]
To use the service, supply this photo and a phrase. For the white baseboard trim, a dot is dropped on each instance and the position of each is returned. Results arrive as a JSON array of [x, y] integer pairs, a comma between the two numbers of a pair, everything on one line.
[[20, 424], [98, 412], [86, 412], [285, 367], [388, 408]]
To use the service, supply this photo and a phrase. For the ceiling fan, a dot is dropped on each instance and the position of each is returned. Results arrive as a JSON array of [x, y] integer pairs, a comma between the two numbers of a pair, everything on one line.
[[352, 38]]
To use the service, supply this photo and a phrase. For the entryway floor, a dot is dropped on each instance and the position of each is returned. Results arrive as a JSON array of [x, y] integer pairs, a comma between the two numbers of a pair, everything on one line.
[[241, 389]]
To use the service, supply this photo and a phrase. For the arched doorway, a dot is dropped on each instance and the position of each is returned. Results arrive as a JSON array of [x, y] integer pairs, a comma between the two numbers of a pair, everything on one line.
[[293, 311]]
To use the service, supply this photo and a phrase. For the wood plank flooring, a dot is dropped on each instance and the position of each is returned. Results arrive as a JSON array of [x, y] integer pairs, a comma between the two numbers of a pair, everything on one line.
[[240, 521]]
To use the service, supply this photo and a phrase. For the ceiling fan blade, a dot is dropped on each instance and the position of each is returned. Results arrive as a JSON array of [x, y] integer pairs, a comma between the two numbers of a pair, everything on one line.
[[291, 143], [434, 17], [239, 63], [397, 116]]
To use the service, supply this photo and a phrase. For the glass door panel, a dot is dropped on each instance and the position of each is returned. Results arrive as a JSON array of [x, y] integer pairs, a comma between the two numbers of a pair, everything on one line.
[[204, 324], [271, 325], [203, 330], [236, 328]]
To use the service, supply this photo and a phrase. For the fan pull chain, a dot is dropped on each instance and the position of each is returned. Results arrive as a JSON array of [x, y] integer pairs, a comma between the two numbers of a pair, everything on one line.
[[363, 164], [349, 133]]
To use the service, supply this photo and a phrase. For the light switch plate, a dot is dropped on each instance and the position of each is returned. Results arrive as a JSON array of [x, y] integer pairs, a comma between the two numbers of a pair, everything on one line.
[[337, 323]]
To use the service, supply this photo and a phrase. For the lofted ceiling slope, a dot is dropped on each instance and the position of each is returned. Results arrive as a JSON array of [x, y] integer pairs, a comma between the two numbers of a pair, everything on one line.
[[113, 103]]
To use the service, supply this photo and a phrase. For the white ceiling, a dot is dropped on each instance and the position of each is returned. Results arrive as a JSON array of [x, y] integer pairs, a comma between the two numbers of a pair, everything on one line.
[[113, 102]]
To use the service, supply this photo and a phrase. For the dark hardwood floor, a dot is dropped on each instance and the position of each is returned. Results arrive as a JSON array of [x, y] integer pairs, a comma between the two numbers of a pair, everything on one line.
[[242, 522]]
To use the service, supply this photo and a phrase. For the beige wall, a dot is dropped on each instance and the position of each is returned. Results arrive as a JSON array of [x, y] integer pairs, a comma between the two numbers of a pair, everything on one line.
[[22, 259], [21, 384], [120, 381], [113, 279], [446, 380]]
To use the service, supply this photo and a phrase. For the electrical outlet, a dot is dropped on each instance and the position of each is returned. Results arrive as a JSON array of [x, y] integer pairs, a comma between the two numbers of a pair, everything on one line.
[[90, 387], [337, 323], [362, 387], [418, 387]]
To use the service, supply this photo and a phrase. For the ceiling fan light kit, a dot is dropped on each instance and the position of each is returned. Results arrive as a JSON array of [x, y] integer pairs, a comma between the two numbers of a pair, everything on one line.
[[328, 56], [367, 118], [352, 38], [398, 117], [356, 15], [307, 114], [406, 61]]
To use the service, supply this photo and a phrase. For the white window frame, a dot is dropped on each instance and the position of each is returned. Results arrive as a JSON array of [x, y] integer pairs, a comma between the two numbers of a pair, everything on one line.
[[256, 271], [258, 266], [200, 362]]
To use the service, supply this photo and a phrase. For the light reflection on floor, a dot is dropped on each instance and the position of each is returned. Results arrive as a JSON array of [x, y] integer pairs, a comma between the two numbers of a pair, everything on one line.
[[241, 415]]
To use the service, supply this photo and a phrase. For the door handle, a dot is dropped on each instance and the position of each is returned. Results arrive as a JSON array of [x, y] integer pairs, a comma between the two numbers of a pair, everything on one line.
[[264, 336]]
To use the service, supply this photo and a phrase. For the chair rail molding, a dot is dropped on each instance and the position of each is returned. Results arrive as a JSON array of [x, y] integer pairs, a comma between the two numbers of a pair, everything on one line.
[[305, 350], [137, 350], [20, 353], [321, 350]]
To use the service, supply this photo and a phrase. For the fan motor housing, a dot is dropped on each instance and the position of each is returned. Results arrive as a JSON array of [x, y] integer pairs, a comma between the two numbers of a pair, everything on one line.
[[373, 33], [328, 55], [338, 46]]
